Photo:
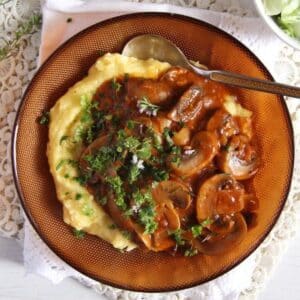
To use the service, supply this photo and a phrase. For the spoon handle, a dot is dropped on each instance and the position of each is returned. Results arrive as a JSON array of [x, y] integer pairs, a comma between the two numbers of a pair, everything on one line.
[[253, 83]]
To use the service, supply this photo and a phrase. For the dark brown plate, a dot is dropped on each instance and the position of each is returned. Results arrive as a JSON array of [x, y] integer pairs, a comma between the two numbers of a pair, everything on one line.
[[92, 256]]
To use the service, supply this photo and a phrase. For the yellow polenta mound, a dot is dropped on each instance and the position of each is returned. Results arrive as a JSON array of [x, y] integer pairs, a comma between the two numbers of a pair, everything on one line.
[[80, 209]]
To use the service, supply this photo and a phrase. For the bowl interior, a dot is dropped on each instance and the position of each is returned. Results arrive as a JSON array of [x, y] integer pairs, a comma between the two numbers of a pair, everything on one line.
[[138, 270]]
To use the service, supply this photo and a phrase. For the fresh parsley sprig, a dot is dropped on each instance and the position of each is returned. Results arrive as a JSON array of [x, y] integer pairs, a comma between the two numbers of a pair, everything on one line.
[[146, 107]]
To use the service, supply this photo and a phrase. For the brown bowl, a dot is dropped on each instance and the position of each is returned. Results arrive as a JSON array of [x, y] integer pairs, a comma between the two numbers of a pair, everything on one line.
[[92, 256]]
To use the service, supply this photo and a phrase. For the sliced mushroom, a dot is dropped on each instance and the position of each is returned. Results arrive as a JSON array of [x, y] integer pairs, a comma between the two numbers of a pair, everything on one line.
[[220, 194], [168, 196], [156, 92], [182, 137], [214, 244], [204, 148], [224, 124], [245, 126], [175, 191], [240, 159], [189, 106], [180, 77]]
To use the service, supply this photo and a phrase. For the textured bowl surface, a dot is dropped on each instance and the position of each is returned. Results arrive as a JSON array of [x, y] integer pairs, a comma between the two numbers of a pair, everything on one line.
[[138, 270]]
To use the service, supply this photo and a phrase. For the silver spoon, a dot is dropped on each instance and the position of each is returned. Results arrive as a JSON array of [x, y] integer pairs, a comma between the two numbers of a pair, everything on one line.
[[154, 46]]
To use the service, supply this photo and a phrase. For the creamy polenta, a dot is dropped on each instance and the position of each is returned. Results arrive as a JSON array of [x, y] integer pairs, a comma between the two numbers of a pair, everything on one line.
[[79, 207]]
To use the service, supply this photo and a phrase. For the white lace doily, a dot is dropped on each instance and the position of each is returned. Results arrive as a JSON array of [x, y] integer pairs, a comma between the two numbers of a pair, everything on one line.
[[18, 69]]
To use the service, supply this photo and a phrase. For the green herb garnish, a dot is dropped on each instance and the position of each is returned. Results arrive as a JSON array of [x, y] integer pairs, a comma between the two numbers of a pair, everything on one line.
[[134, 173], [78, 196], [79, 234], [190, 252], [145, 106], [177, 236], [115, 85], [167, 134], [146, 216], [159, 174], [70, 162], [44, 119], [83, 178], [196, 230], [116, 184], [112, 226], [101, 159], [87, 210], [101, 200]]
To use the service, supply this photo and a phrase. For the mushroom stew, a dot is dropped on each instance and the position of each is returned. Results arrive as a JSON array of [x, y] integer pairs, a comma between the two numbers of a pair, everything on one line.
[[170, 160]]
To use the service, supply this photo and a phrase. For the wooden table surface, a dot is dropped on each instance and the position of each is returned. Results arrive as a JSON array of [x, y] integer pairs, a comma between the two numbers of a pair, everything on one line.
[[16, 285]]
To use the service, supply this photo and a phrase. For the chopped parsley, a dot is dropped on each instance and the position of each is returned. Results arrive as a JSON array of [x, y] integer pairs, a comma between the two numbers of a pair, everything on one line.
[[190, 252], [115, 85], [44, 119], [70, 162], [83, 178], [140, 197], [116, 184], [197, 229], [112, 226], [134, 173], [176, 155], [78, 196], [144, 150], [145, 210], [159, 174], [101, 159], [130, 124], [177, 236], [146, 217], [126, 234], [101, 200], [87, 210], [167, 134], [79, 234]]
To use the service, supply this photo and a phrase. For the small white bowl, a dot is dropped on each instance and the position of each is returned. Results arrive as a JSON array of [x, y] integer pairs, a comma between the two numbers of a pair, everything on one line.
[[273, 25]]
